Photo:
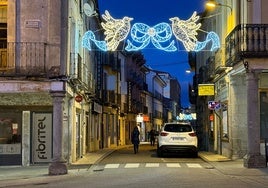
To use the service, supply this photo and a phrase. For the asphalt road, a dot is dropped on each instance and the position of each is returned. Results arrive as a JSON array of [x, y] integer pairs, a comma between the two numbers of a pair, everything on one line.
[[123, 168], [147, 154]]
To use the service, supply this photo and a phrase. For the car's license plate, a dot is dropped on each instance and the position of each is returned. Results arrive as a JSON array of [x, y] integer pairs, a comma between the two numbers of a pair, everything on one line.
[[178, 138]]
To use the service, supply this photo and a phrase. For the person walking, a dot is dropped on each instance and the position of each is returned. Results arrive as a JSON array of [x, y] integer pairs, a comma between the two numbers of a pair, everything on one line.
[[152, 137], [135, 139]]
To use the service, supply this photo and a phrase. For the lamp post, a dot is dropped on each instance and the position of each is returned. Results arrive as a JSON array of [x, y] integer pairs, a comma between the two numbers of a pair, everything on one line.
[[213, 4]]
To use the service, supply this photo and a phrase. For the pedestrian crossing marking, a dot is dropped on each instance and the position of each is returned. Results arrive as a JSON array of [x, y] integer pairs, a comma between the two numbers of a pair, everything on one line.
[[111, 166], [152, 165], [193, 165], [173, 165], [132, 165]]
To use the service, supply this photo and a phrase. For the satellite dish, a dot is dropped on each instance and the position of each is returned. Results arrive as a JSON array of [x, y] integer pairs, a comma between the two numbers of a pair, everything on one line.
[[89, 9]]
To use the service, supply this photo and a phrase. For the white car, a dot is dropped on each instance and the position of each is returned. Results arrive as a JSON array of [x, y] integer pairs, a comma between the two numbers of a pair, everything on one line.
[[176, 138]]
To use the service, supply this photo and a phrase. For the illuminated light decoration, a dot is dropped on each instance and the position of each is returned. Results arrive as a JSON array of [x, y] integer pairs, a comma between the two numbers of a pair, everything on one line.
[[186, 117], [212, 36], [186, 30], [117, 30], [142, 33], [89, 36]]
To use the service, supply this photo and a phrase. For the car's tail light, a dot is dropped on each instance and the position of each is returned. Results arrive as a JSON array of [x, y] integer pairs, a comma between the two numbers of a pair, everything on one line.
[[163, 134], [192, 134]]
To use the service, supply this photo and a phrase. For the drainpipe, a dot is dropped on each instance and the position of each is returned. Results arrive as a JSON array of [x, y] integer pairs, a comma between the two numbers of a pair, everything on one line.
[[17, 39]]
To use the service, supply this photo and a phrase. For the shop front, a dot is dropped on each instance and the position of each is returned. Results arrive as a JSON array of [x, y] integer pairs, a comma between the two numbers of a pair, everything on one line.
[[25, 137], [25, 124]]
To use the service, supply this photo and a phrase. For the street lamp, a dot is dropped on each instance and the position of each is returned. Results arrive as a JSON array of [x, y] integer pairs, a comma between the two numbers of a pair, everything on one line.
[[213, 4], [188, 71]]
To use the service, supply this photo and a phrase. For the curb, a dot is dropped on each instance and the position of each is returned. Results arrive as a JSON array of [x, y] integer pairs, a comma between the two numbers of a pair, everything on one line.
[[211, 157]]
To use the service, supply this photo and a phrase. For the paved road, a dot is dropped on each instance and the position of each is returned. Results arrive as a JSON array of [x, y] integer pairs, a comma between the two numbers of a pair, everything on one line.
[[147, 154], [123, 168], [149, 176]]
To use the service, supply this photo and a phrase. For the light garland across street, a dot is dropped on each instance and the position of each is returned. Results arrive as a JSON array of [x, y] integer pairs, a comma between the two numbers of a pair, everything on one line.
[[141, 35]]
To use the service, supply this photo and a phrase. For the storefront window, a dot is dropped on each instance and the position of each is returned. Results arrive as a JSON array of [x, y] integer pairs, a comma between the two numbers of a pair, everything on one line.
[[10, 134]]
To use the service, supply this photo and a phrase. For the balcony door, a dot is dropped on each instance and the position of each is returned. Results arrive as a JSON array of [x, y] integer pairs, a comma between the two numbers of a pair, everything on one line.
[[3, 36], [264, 114]]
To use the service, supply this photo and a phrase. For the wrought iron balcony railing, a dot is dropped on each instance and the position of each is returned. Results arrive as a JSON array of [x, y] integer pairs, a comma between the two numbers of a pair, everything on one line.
[[27, 59], [41, 60], [246, 41]]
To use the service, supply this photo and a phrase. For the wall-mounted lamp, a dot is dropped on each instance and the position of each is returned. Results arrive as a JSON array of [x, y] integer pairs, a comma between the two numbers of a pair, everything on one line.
[[213, 4]]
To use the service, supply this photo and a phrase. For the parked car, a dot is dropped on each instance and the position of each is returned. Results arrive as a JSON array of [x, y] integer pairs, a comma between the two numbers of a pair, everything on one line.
[[177, 137]]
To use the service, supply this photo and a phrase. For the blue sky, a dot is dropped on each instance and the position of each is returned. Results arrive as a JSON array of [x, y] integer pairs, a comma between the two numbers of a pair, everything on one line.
[[151, 13]]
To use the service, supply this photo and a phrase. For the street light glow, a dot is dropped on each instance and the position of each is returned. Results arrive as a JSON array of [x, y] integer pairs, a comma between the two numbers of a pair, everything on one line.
[[213, 4]]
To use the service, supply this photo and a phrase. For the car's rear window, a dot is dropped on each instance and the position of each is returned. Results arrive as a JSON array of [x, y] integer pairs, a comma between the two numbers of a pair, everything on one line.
[[177, 128]]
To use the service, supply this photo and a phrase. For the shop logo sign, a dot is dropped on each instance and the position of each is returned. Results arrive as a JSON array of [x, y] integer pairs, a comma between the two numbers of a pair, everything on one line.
[[42, 137]]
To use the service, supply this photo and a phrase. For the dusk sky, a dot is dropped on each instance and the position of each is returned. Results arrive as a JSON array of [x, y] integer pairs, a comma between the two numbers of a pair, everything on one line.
[[154, 12]]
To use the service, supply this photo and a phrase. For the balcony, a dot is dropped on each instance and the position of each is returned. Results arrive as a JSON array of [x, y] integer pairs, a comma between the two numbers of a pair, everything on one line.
[[113, 62], [28, 59], [211, 68], [246, 41], [109, 97]]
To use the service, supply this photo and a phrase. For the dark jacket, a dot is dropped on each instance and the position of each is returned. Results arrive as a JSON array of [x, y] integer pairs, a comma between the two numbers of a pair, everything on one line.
[[135, 136], [152, 134]]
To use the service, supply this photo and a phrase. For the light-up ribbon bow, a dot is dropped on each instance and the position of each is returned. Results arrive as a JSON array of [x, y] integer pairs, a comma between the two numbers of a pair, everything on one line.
[[211, 36], [90, 36], [142, 33]]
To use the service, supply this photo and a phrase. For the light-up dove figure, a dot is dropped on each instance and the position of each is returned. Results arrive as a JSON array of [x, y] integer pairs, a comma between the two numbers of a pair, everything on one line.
[[186, 30], [116, 30]]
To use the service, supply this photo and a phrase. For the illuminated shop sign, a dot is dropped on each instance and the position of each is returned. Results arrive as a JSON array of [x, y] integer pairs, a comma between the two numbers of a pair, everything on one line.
[[162, 36], [205, 89]]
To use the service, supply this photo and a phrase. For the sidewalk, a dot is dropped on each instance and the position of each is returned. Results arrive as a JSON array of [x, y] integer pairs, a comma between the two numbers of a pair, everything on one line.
[[219, 162], [231, 167], [35, 171]]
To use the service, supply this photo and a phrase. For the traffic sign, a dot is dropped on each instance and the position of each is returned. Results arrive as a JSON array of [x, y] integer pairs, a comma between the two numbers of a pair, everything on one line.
[[214, 105]]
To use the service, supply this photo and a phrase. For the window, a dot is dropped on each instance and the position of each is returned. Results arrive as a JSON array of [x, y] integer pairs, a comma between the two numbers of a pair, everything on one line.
[[3, 36], [264, 114], [10, 133], [224, 125], [177, 128]]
